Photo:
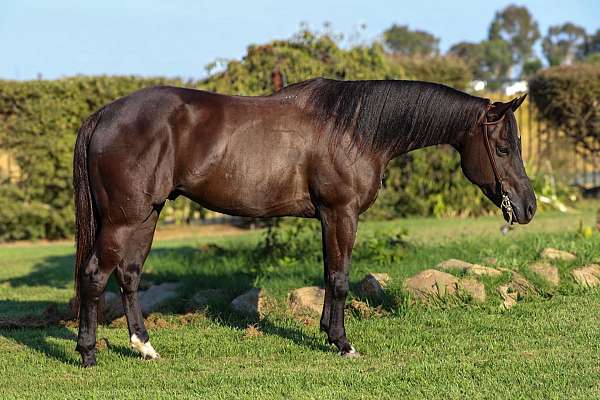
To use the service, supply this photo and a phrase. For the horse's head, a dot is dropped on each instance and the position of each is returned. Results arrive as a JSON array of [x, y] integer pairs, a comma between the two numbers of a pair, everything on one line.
[[491, 159]]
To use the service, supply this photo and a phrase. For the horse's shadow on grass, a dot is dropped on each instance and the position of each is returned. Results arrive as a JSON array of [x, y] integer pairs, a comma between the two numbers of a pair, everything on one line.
[[194, 268]]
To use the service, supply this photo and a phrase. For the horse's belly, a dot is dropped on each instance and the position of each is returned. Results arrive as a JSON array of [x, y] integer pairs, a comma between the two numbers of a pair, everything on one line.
[[256, 184]]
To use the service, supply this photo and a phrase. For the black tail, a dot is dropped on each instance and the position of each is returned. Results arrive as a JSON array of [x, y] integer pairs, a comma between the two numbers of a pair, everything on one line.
[[85, 216]]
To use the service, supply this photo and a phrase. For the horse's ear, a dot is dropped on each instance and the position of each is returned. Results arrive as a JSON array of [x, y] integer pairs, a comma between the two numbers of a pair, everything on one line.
[[498, 109], [517, 102]]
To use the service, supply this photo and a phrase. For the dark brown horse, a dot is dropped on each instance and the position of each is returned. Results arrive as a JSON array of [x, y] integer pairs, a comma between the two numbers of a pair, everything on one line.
[[316, 149]]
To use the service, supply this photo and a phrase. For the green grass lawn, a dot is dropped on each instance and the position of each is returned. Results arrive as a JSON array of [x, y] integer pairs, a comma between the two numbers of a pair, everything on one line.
[[548, 346]]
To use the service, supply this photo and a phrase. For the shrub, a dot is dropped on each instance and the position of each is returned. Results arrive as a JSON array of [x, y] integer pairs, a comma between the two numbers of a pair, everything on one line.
[[568, 98]]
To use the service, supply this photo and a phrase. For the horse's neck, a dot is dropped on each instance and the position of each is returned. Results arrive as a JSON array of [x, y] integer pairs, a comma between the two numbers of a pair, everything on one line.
[[415, 143]]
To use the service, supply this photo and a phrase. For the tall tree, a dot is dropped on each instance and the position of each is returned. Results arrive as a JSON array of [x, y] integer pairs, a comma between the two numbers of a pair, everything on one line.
[[516, 26], [564, 44], [489, 60], [401, 39]]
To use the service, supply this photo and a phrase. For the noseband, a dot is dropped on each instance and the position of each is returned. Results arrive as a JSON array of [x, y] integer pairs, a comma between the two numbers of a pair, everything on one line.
[[505, 204]]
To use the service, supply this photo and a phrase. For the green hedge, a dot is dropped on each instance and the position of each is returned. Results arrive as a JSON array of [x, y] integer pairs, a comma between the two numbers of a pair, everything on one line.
[[39, 121]]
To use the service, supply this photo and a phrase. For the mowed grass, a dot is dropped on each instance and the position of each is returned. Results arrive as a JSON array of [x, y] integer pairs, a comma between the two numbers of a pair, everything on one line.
[[548, 346]]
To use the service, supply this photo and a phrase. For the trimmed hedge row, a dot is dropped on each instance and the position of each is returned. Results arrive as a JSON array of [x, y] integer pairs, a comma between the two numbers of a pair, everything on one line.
[[39, 121]]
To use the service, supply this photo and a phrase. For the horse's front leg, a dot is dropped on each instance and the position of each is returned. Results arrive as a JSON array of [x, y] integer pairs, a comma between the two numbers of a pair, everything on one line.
[[339, 231]]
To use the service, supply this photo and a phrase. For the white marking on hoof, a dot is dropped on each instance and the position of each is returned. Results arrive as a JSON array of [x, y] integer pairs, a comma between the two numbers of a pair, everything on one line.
[[145, 349], [352, 353]]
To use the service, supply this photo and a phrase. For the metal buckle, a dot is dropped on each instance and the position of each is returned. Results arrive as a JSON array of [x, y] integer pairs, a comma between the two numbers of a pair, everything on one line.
[[505, 205]]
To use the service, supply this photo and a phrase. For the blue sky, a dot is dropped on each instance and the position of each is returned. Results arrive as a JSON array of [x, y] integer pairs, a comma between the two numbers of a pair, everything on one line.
[[179, 37]]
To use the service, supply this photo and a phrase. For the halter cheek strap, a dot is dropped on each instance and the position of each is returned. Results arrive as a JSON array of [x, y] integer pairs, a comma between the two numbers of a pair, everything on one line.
[[505, 204]]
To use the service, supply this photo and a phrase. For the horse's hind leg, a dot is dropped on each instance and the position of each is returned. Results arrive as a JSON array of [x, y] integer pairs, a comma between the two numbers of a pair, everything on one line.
[[128, 273], [121, 245]]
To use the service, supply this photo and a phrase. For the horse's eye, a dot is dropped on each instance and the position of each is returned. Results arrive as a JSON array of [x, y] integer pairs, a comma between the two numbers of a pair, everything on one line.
[[502, 151]]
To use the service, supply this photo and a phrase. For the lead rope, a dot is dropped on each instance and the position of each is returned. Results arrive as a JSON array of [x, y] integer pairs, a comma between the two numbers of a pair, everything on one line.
[[505, 204]]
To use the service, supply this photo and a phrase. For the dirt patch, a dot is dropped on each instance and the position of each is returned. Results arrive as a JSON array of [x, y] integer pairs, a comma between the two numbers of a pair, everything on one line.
[[102, 344], [364, 311], [252, 331]]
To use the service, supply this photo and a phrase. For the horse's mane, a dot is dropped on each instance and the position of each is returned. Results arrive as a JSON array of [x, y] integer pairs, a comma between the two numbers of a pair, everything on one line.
[[391, 114]]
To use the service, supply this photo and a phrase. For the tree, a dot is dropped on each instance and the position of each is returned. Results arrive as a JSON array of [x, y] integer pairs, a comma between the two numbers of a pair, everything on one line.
[[516, 26], [531, 67], [592, 45], [402, 40], [488, 60], [564, 44]]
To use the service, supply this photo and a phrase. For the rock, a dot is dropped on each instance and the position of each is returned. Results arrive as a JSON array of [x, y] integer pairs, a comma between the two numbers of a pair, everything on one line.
[[555, 254], [373, 286], [588, 275], [508, 296], [467, 267], [157, 295], [250, 303], [150, 300], [453, 263], [308, 298], [432, 283], [480, 270], [547, 272], [113, 306], [517, 289], [475, 289]]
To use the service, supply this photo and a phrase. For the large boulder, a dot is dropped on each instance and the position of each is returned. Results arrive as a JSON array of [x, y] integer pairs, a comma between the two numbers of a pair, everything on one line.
[[307, 299], [432, 283], [373, 286], [555, 254], [547, 272], [588, 276], [250, 303]]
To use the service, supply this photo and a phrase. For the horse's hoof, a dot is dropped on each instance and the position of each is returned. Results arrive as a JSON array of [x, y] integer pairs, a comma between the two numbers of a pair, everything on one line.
[[145, 349], [153, 356], [350, 353], [88, 361]]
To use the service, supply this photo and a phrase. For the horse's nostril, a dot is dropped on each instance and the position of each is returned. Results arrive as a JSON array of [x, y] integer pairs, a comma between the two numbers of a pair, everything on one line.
[[530, 211]]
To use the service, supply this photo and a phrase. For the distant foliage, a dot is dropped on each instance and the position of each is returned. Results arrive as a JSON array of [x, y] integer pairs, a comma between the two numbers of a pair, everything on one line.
[[400, 39], [568, 98]]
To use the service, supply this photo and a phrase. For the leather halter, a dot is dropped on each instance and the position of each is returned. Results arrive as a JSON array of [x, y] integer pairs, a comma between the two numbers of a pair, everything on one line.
[[505, 204]]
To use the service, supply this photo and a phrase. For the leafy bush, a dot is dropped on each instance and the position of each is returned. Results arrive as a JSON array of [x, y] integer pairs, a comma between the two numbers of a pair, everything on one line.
[[568, 98], [429, 182], [38, 125]]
